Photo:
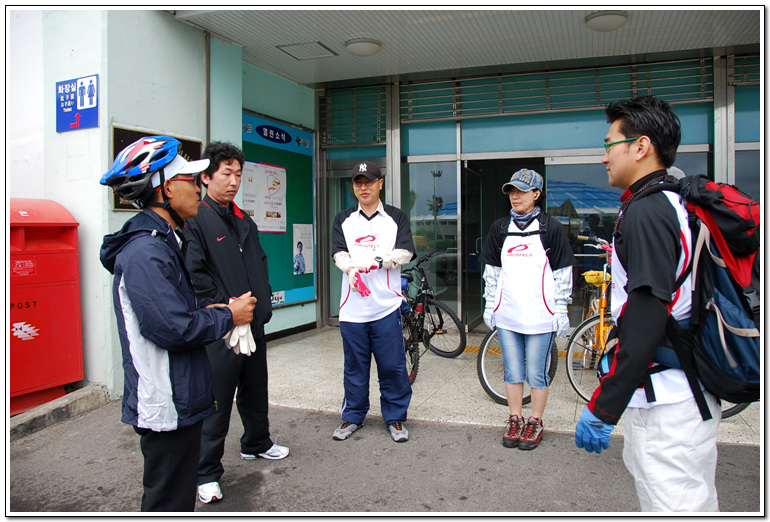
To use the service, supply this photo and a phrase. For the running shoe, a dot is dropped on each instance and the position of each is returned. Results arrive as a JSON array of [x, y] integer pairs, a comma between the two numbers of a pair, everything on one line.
[[209, 492], [398, 431], [345, 430], [275, 452]]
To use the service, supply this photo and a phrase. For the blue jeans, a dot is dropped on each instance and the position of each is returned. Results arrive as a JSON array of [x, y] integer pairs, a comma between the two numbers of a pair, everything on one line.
[[526, 357]]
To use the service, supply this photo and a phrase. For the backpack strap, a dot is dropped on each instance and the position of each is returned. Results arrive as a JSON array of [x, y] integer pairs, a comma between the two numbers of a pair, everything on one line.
[[543, 223], [683, 341]]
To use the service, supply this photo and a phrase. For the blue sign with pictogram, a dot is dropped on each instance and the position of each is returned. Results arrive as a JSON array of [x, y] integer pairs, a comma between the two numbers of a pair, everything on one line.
[[77, 103]]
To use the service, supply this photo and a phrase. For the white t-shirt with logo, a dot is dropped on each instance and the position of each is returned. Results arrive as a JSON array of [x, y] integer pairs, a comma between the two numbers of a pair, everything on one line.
[[364, 238], [525, 295]]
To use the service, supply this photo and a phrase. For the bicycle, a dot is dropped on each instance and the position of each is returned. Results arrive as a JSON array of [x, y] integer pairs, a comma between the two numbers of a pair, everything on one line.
[[491, 370], [588, 342], [428, 321]]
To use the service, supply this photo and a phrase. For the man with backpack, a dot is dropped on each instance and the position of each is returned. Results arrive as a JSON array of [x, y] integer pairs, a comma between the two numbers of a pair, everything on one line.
[[668, 448]]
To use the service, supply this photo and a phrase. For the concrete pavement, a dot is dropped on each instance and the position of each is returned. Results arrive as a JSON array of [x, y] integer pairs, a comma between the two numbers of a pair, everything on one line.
[[453, 463]]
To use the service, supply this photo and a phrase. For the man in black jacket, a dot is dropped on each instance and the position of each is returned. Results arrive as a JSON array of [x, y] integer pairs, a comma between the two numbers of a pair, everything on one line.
[[225, 256]]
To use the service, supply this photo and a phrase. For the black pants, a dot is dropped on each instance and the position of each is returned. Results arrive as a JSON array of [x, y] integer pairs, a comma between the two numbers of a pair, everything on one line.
[[249, 375], [170, 465]]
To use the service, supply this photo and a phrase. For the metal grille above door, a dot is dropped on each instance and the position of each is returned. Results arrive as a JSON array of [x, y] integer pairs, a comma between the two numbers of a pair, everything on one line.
[[353, 117], [744, 70], [675, 81]]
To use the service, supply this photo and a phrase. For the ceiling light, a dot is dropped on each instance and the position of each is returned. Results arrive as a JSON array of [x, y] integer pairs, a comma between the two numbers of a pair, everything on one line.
[[604, 21], [363, 46]]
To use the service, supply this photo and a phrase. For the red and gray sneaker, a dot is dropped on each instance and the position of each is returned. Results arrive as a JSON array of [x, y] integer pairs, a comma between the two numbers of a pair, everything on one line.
[[532, 434], [512, 431]]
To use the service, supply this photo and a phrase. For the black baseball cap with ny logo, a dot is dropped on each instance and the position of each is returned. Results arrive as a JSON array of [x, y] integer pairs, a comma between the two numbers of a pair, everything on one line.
[[367, 169]]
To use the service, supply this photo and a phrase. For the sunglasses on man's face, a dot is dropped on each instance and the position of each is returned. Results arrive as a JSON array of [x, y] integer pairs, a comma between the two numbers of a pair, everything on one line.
[[194, 179]]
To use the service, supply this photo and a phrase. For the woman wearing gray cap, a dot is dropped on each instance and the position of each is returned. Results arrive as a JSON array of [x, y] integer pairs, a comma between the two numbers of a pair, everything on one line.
[[527, 287]]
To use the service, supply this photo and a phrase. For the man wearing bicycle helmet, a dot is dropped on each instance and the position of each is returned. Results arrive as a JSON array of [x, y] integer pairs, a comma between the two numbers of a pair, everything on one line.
[[163, 328], [370, 242], [668, 448]]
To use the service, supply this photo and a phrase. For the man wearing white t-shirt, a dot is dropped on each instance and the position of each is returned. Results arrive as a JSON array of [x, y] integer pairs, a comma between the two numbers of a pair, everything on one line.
[[370, 242]]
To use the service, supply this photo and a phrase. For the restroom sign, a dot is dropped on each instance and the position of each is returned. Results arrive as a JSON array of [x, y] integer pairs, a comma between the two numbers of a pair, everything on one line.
[[77, 103]]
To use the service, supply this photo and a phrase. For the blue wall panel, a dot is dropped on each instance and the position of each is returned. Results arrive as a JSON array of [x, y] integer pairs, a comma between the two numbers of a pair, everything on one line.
[[429, 138], [566, 130], [697, 122], [357, 153], [557, 130], [747, 112]]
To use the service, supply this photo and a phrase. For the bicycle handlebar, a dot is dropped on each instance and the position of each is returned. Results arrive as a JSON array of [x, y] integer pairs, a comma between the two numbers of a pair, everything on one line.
[[406, 273], [426, 257], [602, 244]]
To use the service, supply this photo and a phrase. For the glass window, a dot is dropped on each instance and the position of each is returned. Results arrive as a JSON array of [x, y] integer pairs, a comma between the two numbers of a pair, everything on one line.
[[747, 172], [429, 198], [692, 163], [582, 199]]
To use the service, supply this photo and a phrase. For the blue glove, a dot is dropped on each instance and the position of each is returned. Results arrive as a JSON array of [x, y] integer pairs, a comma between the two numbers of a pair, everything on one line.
[[591, 433]]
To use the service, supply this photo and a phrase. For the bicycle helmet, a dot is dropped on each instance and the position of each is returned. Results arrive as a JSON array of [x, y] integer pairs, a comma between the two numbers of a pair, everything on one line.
[[131, 173]]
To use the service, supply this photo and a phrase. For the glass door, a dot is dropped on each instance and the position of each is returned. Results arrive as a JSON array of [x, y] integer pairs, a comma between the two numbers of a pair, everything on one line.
[[429, 197], [472, 237]]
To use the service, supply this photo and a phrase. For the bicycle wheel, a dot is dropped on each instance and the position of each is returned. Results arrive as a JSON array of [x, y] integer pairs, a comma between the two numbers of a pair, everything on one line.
[[730, 408], [491, 369], [412, 349], [583, 354], [444, 333]]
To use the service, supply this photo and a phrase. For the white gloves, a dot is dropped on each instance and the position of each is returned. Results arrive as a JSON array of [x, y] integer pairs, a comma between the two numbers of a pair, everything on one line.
[[491, 275], [489, 317], [240, 340], [561, 324], [387, 262], [357, 284], [365, 269]]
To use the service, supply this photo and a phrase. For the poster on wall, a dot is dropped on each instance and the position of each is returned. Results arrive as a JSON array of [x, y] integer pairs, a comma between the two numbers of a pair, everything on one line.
[[303, 249], [264, 195]]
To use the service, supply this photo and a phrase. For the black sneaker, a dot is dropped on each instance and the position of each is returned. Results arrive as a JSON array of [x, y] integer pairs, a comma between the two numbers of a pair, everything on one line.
[[512, 431], [531, 435]]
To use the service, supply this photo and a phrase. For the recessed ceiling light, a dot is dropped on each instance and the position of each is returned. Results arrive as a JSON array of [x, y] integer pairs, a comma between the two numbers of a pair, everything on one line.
[[604, 21], [362, 46]]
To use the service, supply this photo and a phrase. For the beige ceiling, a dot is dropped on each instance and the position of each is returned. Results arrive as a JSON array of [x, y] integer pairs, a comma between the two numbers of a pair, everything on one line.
[[439, 43]]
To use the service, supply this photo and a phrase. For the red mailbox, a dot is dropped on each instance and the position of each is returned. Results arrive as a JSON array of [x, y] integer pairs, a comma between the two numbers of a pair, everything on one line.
[[46, 345]]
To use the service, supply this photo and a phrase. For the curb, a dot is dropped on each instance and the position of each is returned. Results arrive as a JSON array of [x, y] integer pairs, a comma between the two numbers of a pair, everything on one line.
[[71, 405]]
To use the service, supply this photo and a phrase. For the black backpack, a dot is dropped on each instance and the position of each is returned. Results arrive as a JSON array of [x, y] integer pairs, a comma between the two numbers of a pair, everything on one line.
[[722, 346]]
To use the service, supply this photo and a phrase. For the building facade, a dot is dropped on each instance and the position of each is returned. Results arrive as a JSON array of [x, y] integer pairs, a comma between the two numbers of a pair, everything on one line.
[[446, 143]]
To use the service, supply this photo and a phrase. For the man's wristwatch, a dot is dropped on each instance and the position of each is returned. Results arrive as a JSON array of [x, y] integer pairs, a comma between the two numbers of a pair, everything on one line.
[[378, 260]]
